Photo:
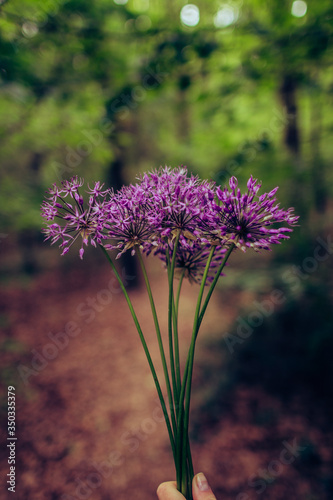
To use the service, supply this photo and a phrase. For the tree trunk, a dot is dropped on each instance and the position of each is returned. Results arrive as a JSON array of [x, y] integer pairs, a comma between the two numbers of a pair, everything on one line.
[[288, 96], [318, 166]]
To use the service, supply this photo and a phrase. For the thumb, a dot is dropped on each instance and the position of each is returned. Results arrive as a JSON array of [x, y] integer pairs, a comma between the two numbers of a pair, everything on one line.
[[201, 488]]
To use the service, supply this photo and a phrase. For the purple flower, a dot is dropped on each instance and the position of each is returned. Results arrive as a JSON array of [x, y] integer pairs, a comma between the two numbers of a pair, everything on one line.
[[129, 225], [74, 218], [163, 205], [249, 220], [180, 203]]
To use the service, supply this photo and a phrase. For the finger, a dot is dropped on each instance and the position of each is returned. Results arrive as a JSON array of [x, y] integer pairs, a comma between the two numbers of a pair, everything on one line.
[[168, 491], [201, 488]]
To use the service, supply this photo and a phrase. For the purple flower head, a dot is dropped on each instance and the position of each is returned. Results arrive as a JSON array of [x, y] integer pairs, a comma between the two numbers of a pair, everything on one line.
[[180, 203], [249, 220], [191, 261], [129, 223], [66, 205]]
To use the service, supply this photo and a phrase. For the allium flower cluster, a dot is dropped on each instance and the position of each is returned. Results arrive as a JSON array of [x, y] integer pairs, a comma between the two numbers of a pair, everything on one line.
[[180, 204], [66, 206], [128, 220], [165, 206], [249, 220], [191, 261]]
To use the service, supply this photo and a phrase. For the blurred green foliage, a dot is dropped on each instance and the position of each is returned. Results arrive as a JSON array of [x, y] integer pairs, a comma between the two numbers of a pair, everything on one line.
[[106, 89]]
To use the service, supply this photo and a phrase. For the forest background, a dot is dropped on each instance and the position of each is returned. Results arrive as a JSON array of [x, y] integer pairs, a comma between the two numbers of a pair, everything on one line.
[[106, 90]]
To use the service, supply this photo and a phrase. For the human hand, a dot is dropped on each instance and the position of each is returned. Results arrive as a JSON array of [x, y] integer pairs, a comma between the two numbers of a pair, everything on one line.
[[200, 489]]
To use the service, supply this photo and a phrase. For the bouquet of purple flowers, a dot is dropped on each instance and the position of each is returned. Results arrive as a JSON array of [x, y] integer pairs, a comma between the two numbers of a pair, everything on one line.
[[193, 226]]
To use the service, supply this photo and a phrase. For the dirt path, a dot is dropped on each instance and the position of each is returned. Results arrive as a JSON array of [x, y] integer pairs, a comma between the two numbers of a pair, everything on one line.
[[89, 423]]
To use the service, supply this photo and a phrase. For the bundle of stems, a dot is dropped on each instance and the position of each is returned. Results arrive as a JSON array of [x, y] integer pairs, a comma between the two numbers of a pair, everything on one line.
[[178, 385]]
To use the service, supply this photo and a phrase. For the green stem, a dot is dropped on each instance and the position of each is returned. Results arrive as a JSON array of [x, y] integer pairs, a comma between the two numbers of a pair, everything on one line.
[[190, 473], [214, 282], [176, 341], [145, 347], [189, 456], [171, 270], [159, 338], [187, 377], [177, 360], [178, 291], [170, 320], [185, 407], [209, 294]]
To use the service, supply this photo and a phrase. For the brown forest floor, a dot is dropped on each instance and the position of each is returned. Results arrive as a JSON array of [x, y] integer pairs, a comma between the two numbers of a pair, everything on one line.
[[89, 424]]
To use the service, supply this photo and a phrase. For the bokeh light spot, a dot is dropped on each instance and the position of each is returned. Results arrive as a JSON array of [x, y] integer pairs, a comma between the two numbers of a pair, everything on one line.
[[190, 15], [29, 29], [299, 8], [225, 16], [120, 2]]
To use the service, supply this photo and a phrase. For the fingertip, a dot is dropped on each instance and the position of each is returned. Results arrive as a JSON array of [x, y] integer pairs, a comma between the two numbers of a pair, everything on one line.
[[201, 488], [168, 491]]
